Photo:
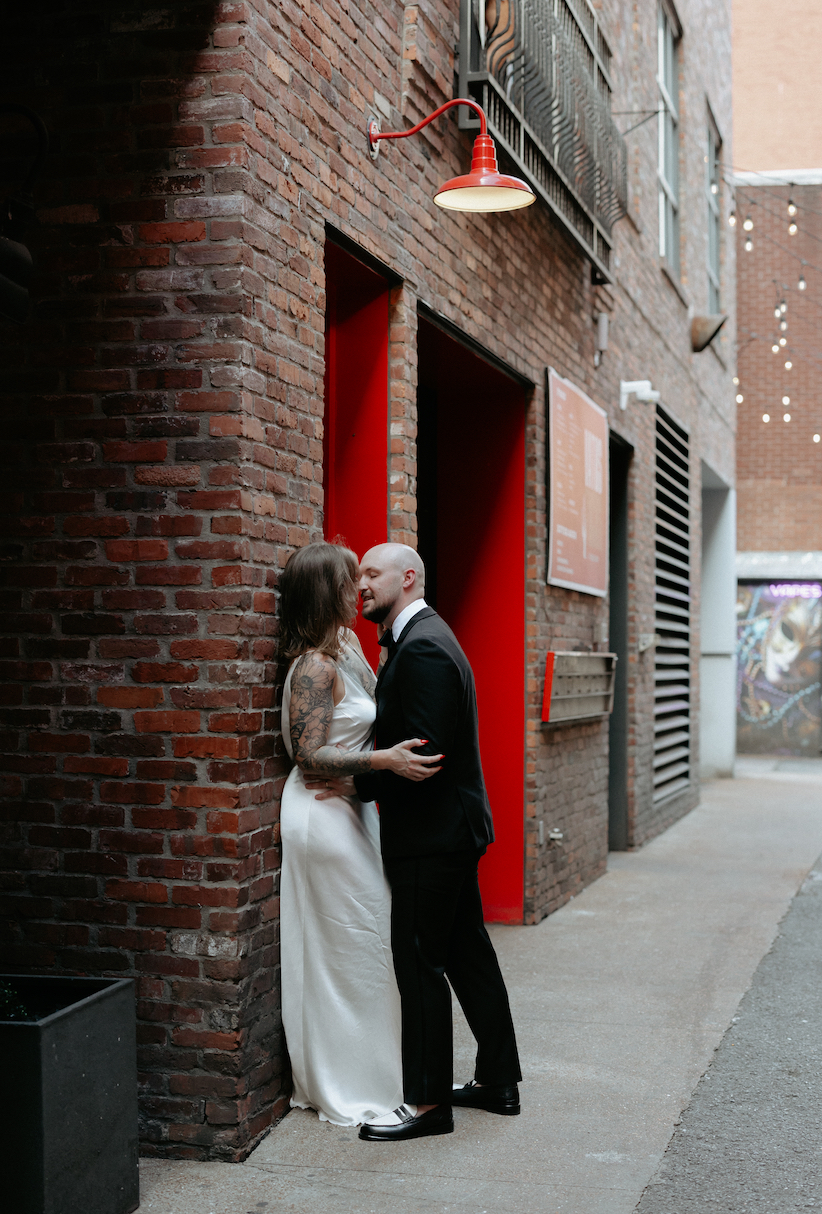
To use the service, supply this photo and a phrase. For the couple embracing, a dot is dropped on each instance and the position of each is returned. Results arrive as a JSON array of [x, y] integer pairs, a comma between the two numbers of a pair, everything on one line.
[[367, 962]]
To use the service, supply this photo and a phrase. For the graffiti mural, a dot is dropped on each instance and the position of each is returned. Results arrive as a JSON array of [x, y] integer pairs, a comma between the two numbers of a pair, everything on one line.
[[779, 636]]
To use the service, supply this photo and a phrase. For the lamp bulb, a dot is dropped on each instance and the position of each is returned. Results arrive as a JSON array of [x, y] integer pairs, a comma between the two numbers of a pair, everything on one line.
[[783, 307], [783, 324], [748, 245], [775, 348], [783, 341], [786, 417], [777, 312], [802, 283], [766, 417], [735, 380], [748, 224], [739, 398], [792, 229], [786, 400], [791, 207], [788, 365], [732, 219], [817, 437]]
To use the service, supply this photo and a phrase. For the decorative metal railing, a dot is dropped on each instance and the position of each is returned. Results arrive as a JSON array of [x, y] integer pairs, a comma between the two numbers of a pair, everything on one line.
[[540, 70]]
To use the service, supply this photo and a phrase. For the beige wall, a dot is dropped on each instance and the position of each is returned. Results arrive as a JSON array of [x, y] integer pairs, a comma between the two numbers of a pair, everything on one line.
[[776, 80]]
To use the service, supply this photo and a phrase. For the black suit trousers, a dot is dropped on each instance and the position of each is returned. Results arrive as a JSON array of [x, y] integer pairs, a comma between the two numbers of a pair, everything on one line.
[[438, 936]]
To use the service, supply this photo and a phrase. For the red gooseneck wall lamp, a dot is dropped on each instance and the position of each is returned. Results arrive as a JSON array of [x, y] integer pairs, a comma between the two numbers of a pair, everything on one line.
[[484, 188]]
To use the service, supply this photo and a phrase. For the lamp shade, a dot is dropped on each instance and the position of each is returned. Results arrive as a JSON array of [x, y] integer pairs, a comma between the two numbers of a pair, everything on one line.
[[484, 188]]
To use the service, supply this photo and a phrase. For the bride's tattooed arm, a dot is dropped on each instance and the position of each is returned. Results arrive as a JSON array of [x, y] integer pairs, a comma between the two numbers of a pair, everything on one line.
[[312, 706]]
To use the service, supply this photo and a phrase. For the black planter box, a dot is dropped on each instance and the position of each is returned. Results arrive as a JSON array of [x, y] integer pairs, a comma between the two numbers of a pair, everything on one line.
[[68, 1114]]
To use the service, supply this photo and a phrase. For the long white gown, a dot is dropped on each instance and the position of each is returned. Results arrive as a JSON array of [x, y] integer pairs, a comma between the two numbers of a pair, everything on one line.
[[341, 1007]]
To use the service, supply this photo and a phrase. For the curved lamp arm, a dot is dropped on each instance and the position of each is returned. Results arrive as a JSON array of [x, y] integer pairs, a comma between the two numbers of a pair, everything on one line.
[[484, 188], [375, 134]]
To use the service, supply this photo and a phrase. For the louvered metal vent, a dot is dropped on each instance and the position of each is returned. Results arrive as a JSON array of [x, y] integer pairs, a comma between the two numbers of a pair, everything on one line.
[[541, 71], [672, 667]]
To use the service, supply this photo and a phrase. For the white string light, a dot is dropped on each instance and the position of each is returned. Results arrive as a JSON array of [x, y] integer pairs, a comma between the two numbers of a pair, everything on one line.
[[791, 207], [766, 417], [775, 348], [788, 365], [786, 400], [748, 224], [786, 417], [792, 229], [817, 437], [732, 219], [802, 284], [748, 245], [739, 398]]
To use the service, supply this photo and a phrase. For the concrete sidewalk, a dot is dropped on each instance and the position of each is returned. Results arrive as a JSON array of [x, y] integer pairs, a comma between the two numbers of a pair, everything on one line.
[[620, 1000]]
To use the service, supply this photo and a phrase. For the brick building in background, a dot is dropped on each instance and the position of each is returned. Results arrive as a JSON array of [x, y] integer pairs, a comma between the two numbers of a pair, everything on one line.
[[246, 334], [777, 180]]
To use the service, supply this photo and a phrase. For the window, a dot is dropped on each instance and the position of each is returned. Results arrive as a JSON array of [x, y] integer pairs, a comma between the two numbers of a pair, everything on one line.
[[712, 187], [668, 171]]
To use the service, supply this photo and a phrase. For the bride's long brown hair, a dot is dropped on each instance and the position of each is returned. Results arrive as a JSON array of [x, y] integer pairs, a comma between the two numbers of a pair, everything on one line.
[[318, 597]]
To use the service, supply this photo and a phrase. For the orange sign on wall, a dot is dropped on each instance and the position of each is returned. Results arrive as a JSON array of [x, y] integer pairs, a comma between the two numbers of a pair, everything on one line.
[[578, 489]]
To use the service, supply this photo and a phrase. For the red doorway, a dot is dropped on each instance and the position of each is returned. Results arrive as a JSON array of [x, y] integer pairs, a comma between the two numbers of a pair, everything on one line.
[[471, 520], [355, 443]]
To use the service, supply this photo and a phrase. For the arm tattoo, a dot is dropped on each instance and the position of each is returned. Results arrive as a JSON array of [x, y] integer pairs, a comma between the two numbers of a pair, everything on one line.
[[311, 709], [355, 663]]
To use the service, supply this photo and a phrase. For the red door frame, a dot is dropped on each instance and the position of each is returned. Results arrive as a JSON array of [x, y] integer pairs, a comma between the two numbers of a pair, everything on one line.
[[480, 580], [355, 440]]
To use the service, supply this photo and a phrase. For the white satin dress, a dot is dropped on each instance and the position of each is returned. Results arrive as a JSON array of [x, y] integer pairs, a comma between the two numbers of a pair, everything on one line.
[[341, 1006]]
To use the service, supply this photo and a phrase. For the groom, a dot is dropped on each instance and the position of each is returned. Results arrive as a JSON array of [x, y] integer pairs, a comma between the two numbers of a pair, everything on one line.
[[433, 834]]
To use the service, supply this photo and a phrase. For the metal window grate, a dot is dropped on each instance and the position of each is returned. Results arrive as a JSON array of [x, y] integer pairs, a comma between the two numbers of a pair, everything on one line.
[[541, 71], [672, 665]]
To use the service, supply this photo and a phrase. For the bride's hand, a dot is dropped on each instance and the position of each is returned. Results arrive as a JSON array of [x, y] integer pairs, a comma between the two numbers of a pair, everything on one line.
[[403, 762]]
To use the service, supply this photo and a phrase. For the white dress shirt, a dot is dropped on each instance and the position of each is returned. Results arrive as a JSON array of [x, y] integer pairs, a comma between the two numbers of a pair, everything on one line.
[[405, 615]]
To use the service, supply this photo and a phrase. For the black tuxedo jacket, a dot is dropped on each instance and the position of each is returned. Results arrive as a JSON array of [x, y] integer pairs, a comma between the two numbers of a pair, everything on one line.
[[426, 690]]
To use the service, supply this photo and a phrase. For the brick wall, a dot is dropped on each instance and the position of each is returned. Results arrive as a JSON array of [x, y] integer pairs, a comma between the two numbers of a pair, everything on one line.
[[167, 415], [159, 462], [780, 466]]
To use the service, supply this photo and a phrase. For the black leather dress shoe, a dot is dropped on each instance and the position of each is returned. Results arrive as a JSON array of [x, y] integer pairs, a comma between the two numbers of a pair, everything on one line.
[[439, 1120], [492, 1097]]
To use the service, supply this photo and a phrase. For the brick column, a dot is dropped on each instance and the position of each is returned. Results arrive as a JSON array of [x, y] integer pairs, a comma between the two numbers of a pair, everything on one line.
[[161, 457]]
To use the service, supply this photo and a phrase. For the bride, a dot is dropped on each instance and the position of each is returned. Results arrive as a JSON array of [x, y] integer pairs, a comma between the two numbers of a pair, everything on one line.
[[341, 1009]]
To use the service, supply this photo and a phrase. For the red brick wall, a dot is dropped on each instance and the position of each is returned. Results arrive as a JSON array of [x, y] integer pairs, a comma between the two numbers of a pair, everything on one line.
[[779, 464], [153, 479]]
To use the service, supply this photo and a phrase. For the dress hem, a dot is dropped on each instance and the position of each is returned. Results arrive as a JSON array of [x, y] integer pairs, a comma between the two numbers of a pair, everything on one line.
[[295, 1104]]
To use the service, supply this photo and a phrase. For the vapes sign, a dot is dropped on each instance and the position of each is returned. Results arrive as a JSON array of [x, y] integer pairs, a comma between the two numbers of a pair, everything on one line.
[[578, 489]]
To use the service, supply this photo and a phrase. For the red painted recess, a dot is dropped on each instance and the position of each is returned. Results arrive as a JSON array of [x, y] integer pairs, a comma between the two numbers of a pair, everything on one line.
[[480, 577], [355, 443]]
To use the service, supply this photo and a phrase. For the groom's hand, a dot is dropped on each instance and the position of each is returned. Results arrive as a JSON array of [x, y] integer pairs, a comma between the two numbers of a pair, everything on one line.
[[339, 786]]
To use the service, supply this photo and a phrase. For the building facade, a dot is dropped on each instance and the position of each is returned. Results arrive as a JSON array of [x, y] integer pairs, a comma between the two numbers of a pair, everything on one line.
[[245, 334], [777, 182]]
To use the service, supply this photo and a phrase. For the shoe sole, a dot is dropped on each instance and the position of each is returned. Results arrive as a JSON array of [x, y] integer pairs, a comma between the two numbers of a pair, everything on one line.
[[425, 1133], [489, 1108]]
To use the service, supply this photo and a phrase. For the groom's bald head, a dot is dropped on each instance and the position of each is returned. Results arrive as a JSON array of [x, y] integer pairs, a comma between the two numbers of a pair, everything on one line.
[[391, 577]]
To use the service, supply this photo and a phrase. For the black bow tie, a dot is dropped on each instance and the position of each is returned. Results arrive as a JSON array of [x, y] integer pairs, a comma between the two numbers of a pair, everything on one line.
[[387, 640]]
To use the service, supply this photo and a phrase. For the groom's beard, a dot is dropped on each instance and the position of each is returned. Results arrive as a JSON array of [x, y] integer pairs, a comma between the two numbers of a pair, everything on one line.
[[375, 612]]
